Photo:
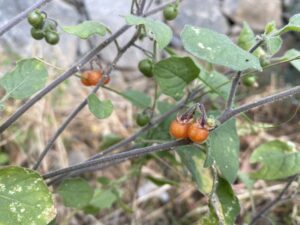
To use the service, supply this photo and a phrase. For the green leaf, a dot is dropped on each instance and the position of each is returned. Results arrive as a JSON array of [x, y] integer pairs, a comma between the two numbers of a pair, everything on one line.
[[75, 192], [29, 76], [193, 158], [217, 49], [244, 177], [160, 31], [246, 38], [278, 160], [109, 140], [139, 99], [174, 73], [223, 148], [293, 25], [216, 82], [100, 109], [291, 54], [86, 29], [273, 44], [226, 207], [103, 180], [160, 181], [3, 158], [24, 197], [270, 28], [164, 106], [53, 222], [103, 199]]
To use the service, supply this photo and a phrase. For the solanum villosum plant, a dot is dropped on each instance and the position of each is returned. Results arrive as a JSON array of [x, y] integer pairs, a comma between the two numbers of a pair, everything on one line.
[[205, 140]]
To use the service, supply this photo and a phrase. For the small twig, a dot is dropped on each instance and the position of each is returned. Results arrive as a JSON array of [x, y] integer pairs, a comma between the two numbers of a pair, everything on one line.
[[237, 78], [18, 18], [82, 104], [154, 101], [153, 122], [141, 7], [128, 140], [123, 155], [61, 78], [149, 5], [117, 45], [273, 203], [263, 101], [145, 51], [69, 73], [159, 8]]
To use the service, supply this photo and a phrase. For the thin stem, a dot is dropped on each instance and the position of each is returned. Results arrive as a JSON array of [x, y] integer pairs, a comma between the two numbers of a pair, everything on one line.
[[237, 78], [273, 203], [141, 7], [68, 73], [159, 8], [123, 155], [263, 101], [154, 100], [60, 79], [153, 122], [18, 18], [82, 104], [145, 51]]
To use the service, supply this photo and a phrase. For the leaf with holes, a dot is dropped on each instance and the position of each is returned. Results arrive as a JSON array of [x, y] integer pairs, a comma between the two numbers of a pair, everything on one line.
[[100, 109], [24, 197], [160, 31], [75, 192], [29, 76], [193, 158], [174, 74], [86, 29], [278, 160], [217, 49]]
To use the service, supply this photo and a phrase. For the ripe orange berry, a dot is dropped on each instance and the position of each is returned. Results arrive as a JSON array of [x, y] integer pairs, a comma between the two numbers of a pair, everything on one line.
[[197, 133], [179, 130], [92, 77]]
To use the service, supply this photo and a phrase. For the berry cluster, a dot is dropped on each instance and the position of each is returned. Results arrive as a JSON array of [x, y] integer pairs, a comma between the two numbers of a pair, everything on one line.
[[42, 27], [184, 126]]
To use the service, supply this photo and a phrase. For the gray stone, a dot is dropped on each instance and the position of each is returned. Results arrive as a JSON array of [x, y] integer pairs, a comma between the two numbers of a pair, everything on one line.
[[201, 13], [112, 16], [19, 38], [256, 12]]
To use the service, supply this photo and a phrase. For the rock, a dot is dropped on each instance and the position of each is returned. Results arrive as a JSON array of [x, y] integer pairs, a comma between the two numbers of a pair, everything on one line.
[[111, 15], [19, 36], [257, 13], [201, 13]]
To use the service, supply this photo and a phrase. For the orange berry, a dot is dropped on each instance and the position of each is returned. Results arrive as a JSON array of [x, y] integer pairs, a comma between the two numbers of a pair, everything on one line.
[[179, 130], [92, 77], [197, 134]]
